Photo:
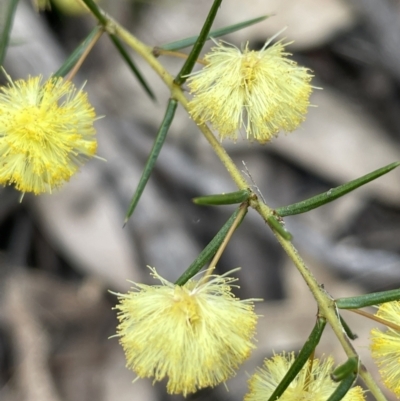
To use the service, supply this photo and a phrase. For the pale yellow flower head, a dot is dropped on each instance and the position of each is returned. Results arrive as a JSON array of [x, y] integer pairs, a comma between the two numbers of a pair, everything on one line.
[[196, 334], [46, 133], [385, 346], [263, 91], [317, 386]]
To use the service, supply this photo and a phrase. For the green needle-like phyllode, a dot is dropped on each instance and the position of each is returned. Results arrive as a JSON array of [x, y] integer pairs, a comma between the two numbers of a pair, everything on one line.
[[196, 335], [263, 91], [46, 133]]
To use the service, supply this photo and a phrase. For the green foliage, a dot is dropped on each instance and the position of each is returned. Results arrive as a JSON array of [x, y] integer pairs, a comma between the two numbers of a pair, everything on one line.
[[7, 11]]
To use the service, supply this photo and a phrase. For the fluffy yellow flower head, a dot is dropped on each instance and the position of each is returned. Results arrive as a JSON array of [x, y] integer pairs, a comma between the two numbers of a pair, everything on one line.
[[385, 346], [262, 90], [46, 132], [317, 386], [196, 334]]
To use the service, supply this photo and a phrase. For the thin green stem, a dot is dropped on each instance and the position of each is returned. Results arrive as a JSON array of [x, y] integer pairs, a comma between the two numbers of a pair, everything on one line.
[[326, 304], [371, 384], [222, 155], [146, 52]]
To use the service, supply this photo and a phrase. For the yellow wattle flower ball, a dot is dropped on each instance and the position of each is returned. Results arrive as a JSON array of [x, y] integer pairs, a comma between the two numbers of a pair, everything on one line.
[[385, 346], [46, 133], [316, 385], [196, 334], [263, 91]]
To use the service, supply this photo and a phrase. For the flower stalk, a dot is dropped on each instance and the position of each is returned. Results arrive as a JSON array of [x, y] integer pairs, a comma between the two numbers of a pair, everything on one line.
[[85, 53], [243, 210]]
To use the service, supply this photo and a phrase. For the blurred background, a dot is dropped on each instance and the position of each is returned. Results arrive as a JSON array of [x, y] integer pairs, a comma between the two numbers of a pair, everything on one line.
[[61, 253]]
